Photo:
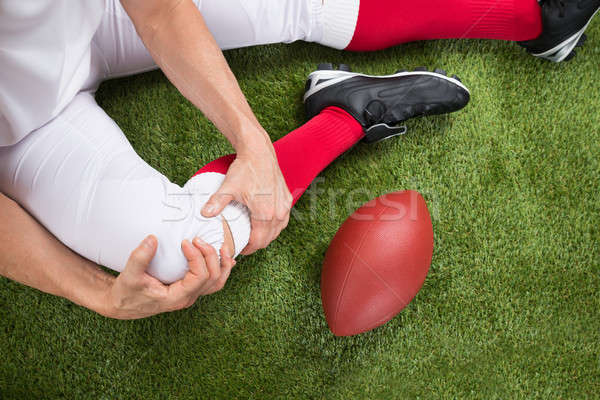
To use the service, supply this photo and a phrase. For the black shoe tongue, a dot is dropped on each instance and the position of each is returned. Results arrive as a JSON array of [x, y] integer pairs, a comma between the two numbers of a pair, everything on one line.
[[374, 112]]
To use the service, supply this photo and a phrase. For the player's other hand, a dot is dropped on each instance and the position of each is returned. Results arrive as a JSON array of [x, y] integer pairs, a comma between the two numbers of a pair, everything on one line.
[[254, 179], [136, 294]]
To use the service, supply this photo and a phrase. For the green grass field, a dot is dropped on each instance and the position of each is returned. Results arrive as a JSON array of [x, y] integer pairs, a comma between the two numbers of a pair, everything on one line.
[[510, 308]]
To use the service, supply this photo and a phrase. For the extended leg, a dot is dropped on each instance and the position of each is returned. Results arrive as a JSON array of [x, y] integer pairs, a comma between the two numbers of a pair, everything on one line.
[[359, 25], [546, 28]]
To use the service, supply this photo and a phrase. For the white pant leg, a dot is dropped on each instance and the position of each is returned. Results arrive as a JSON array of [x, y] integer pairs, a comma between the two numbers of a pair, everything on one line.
[[233, 23], [79, 176]]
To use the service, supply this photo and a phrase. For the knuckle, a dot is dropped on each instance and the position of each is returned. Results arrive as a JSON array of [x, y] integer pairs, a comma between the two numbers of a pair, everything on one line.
[[137, 258], [261, 239], [180, 305], [190, 302], [282, 214], [220, 285], [268, 215], [216, 274], [211, 251], [274, 237], [265, 212], [203, 274], [162, 297], [255, 236]]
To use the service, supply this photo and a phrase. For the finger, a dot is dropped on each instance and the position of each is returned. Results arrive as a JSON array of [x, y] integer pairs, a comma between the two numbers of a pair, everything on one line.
[[195, 259], [278, 225], [227, 256], [227, 264], [140, 257], [226, 268], [212, 261], [197, 275], [276, 234], [184, 292], [284, 224], [227, 260], [259, 236], [272, 229], [283, 212], [217, 202]]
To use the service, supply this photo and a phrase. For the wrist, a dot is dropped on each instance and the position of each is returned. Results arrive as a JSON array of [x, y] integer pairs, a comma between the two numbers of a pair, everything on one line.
[[252, 142], [100, 299]]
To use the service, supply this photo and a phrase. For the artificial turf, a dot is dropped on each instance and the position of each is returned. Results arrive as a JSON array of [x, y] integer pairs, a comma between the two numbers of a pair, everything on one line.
[[510, 308]]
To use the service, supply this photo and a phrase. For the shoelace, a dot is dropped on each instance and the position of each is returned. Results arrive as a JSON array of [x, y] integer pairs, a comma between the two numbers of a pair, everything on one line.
[[560, 4]]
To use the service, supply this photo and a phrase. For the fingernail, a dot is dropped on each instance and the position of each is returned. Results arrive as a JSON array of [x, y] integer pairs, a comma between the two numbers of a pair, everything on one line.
[[209, 209], [148, 242]]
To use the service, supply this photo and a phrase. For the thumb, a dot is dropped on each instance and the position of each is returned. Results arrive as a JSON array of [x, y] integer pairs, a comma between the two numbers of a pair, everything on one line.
[[217, 202], [140, 258]]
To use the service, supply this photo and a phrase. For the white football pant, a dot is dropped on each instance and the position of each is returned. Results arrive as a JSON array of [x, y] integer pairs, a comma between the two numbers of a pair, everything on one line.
[[79, 176]]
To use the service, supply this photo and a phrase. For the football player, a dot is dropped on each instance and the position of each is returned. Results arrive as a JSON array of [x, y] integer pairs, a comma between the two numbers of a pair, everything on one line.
[[65, 162]]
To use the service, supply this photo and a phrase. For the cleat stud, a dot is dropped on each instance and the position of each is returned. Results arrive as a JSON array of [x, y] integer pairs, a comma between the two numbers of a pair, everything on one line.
[[344, 67], [421, 69], [456, 77], [582, 40], [325, 67], [440, 71], [401, 71]]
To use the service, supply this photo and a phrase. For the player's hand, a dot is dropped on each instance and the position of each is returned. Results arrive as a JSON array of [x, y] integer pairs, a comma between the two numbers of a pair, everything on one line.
[[255, 180], [135, 294]]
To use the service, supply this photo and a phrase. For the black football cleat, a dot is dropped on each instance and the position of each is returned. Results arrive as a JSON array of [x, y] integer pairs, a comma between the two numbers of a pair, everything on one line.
[[382, 103], [564, 23]]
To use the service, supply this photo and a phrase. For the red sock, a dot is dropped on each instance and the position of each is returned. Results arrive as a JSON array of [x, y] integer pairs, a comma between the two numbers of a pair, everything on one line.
[[305, 152], [385, 23]]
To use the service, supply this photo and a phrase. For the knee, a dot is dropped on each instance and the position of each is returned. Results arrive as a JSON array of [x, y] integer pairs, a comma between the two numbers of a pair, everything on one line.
[[169, 264]]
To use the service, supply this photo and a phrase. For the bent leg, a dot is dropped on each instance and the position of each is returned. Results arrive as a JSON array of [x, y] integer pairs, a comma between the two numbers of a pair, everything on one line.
[[306, 151], [79, 176]]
